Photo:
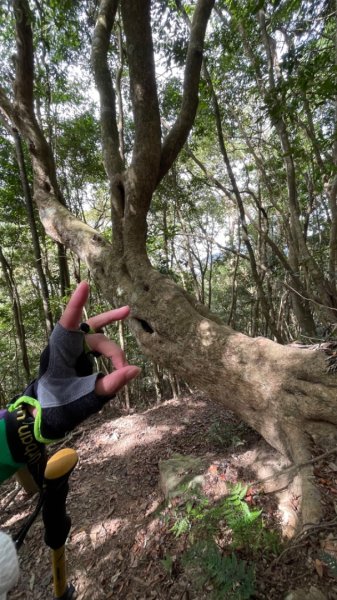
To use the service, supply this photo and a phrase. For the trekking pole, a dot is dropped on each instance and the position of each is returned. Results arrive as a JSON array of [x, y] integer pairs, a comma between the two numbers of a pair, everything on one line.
[[56, 521], [18, 539]]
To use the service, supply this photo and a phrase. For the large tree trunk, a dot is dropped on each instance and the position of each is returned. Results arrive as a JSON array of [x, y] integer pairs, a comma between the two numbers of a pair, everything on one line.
[[285, 393]]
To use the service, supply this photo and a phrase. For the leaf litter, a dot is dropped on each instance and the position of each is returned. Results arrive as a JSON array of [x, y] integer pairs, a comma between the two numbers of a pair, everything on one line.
[[121, 545]]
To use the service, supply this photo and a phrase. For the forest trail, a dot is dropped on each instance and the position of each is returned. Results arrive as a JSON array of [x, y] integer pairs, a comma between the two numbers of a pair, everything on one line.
[[121, 525]]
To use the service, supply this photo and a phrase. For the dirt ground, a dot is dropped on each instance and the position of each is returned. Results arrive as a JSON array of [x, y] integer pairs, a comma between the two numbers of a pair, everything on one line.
[[121, 526]]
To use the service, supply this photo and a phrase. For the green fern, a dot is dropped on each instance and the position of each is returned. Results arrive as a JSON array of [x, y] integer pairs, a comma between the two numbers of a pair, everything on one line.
[[330, 561], [229, 577], [245, 523], [182, 525], [194, 510], [200, 520]]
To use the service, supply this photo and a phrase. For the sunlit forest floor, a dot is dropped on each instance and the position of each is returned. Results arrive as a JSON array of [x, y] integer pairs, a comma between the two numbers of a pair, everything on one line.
[[121, 543]]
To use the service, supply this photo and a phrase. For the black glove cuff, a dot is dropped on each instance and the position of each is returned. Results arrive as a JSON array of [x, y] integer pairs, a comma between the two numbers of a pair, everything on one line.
[[58, 421]]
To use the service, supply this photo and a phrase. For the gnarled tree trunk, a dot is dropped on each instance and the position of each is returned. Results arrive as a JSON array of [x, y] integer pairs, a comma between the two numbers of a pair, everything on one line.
[[282, 392]]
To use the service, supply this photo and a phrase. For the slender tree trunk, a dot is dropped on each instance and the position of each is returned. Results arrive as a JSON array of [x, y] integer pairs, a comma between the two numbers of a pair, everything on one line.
[[63, 270], [34, 233], [173, 385], [333, 187], [320, 290], [245, 236], [125, 390], [157, 383], [298, 292], [323, 287], [234, 288], [17, 312]]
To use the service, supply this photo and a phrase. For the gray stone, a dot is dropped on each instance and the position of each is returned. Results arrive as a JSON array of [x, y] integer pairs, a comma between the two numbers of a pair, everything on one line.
[[179, 473], [304, 594]]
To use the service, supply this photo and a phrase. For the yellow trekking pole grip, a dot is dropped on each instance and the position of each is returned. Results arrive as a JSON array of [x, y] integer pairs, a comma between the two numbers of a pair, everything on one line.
[[56, 521]]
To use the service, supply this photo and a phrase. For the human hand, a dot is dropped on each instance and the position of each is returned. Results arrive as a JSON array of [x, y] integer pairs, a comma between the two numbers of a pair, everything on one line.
[[97, 342], [64, 395]]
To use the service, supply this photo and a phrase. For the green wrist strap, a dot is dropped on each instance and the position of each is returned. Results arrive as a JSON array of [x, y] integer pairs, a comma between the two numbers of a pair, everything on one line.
[[8, 466], [38, 418]]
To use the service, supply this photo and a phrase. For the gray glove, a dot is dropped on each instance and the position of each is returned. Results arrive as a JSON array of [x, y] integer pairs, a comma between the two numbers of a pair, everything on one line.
[[64, 392]]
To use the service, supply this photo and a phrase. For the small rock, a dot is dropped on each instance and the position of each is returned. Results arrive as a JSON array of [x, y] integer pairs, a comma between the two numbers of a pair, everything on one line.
[[179, 473], [304, 594]]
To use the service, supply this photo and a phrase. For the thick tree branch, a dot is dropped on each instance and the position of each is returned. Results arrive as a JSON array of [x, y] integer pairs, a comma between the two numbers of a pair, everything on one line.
[[113, 161], [23, 113], [182, 127], [24, 67], [6, 108], [59, 223], [143, 90]]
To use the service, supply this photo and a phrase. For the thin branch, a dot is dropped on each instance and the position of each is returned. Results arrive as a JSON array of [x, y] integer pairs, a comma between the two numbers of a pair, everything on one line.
[[7, 109], [209, 176], [320, 304], [213, 241], [293, 468]]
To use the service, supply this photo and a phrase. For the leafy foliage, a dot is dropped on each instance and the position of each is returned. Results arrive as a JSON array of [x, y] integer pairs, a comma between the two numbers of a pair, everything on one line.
[[216, 564], [246, 527], [229, 577]]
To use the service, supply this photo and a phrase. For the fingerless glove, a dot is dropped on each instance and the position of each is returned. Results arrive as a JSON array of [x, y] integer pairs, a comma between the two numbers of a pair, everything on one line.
[[64, 392]]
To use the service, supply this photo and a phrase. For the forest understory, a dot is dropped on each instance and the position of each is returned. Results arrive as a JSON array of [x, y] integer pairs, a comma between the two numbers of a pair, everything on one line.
[[128, 542]]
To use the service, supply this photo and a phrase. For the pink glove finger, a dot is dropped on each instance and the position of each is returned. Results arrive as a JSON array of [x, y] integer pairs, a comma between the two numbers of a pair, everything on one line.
[[99, 343], [72, 315], [110, 316], [112, 383]]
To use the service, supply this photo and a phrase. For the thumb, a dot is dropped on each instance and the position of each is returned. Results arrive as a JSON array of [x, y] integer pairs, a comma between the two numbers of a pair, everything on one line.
[[112, 383]]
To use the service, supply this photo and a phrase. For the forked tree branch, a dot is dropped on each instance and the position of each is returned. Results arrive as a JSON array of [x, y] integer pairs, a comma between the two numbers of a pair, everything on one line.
[[177, 137], [143, 89], [113, 161], [23, 111]]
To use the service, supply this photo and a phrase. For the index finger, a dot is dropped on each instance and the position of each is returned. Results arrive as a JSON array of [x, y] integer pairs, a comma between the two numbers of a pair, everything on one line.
[[99, 343], [107, 317], [72, 315]]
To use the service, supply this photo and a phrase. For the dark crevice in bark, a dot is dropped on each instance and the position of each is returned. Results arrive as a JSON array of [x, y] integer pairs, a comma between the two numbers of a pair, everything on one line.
[[145, 325]]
